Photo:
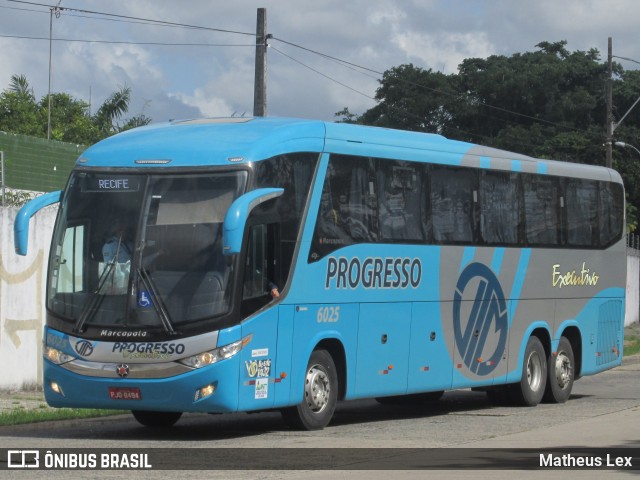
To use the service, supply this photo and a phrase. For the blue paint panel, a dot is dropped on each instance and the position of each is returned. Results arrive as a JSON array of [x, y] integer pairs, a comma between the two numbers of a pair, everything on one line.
[[542, 168], [485, 162], [257, 377], [284, 358], [430, 366], [383, 349], [496, 263], [516, 165], [603, 332], [467, 257], [516, 290]]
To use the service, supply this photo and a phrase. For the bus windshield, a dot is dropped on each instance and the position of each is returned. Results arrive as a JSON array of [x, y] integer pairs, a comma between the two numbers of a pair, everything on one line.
[[143, 251]]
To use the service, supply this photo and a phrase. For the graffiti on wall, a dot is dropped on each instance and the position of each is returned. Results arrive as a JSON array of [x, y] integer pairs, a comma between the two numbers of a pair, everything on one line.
[[13, 326]]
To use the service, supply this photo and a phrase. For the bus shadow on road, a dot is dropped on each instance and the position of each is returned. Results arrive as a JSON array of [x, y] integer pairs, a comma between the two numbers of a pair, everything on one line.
[[198, 427]]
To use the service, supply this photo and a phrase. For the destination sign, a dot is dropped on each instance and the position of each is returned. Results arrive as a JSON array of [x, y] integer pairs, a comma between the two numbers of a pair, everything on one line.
[[111, 183]]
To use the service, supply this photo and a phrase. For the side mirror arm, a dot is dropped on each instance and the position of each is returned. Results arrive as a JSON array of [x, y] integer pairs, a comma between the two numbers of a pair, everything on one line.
[[21, 223], [236, 217]]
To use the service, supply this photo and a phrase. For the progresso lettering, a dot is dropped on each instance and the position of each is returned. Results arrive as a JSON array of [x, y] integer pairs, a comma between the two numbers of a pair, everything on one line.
[[149, 348], [373, 272]]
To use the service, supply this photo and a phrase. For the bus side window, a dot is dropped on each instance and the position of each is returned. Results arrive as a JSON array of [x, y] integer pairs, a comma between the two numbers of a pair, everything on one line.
[[400, 200], [255, 269], [582, 212], [611, 215], [348, 212], [454, 193], [262, 267], [500, 208], [70, 261], [541, 202]]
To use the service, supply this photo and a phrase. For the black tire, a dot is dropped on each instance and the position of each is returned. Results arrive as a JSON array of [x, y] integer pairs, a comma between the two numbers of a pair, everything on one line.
[[530, 390], [320, 395], [561, 367], [413, 399], [156, 419]]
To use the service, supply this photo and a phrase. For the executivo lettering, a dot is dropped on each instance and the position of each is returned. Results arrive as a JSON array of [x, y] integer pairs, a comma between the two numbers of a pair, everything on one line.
[[573, 278]]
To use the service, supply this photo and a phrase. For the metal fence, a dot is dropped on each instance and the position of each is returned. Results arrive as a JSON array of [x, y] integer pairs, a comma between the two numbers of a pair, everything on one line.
[[36, 164]]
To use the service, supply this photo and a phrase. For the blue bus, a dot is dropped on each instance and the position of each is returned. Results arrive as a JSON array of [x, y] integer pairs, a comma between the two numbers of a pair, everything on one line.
[[251, 264]]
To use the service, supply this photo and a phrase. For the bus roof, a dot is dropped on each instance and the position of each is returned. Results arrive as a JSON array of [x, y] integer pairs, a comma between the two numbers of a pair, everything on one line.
[[224, 141]]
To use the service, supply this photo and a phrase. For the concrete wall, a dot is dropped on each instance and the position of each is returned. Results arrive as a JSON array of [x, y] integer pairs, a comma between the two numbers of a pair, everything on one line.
[[22, 290]]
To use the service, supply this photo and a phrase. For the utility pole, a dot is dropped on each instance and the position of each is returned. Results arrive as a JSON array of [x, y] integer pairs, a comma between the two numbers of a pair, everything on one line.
[[609, 142], [260, 84], [52, 11]]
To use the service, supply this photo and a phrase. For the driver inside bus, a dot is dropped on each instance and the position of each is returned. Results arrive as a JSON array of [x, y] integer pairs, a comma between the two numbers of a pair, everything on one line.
[[118, 246]]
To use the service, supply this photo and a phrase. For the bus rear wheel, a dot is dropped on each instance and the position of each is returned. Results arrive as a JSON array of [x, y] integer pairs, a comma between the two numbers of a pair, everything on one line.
[[156, 419], [320, 395], [561, 373], [531, 388]]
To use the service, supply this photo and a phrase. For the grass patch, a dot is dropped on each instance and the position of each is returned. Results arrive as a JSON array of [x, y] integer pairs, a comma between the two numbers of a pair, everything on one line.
[[631, 344], [44, 414]]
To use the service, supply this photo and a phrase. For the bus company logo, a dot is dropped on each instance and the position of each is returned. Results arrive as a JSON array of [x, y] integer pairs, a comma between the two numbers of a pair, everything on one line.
[[488, 315], [84, 348]]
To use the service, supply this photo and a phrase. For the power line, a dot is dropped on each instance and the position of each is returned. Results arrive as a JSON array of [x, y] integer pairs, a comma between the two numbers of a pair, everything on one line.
[[121, 42], [139, 19], [322, 74]]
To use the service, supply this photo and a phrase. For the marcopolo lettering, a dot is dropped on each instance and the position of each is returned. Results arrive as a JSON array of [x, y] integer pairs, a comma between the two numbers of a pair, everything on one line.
[[157, 348], [122, 333], [373, 272]]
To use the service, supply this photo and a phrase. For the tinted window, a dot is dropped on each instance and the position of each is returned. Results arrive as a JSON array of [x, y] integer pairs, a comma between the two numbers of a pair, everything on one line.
[[541, 202], [581, 197], [349, 207], [294, 173], [500, 207], [401, 201], [453, 193], [611, 221]]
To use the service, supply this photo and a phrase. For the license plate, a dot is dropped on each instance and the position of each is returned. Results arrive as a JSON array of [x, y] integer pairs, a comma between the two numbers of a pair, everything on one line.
[[124, 393]]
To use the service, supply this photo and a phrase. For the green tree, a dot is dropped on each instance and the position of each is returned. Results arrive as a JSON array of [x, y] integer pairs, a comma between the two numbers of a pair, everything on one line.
[[70, 119]]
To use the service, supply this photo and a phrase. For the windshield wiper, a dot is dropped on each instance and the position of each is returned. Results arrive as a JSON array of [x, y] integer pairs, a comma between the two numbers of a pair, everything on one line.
[[156, 301], [92, 305]]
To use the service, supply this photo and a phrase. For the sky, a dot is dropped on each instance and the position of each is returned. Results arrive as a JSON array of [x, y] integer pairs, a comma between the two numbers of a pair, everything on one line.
[[325, 55]]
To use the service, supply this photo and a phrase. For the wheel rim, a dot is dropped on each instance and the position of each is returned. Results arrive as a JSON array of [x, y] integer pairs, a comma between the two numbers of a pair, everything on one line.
[[564, 369], [534, 371], [317, 389]]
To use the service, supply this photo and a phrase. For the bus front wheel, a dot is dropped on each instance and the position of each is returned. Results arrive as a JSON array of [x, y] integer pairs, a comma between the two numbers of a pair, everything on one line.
[[561, 373], [320, 395], [531, 388], [156, 419]]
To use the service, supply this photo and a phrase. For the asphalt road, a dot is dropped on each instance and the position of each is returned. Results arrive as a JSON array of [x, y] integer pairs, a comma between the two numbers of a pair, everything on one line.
[[603, 413]]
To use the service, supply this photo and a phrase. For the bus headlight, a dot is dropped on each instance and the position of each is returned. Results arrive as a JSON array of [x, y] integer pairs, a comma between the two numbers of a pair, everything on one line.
[[56, 356], [212, 356]]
